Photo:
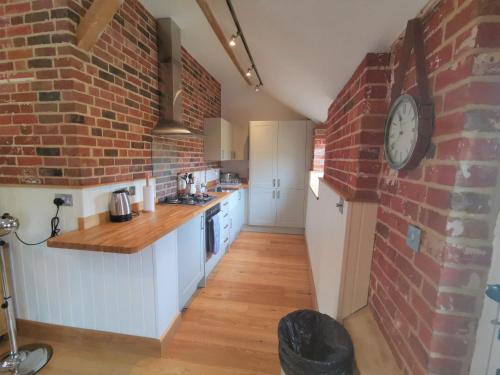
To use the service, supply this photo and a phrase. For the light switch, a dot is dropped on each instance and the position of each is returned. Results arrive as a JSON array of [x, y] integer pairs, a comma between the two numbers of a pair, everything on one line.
[[413, 237]]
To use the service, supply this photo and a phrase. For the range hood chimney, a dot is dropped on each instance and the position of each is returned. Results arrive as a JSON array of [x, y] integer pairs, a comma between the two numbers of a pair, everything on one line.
[[169, 69]]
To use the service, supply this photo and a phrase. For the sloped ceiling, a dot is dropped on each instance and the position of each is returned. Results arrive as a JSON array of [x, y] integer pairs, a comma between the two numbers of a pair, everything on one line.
[[305, 50]]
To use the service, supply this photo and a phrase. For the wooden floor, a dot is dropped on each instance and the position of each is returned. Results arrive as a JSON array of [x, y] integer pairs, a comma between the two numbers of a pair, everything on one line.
[[230, 327], [373, 355]]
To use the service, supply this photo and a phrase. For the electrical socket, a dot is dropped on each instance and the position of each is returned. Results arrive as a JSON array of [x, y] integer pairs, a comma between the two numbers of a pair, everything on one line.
[[67, 198], [131, 190]]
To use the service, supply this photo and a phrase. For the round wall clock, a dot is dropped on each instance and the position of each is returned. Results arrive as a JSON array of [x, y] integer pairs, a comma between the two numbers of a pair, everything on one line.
[[406, 138], [409, 126]]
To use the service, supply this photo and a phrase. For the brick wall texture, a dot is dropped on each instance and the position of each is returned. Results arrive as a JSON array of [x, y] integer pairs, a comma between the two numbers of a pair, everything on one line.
[[319, 139], [428, 303], [70, 117]]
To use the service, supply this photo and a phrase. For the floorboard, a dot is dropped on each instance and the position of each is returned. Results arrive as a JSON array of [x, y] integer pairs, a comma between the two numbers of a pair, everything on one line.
[[231, 325]]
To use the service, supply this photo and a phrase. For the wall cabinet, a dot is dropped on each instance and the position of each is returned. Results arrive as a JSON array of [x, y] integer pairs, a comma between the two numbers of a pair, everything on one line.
[[278, 164], [218, 139], [240, 142], [191, 259]]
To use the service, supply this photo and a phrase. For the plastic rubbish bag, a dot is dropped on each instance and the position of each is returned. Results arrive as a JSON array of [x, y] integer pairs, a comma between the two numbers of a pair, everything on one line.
[[311, 343]]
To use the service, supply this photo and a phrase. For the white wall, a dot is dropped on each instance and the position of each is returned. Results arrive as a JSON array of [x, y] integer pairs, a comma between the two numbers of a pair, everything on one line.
[[131, 294], [325, 234]]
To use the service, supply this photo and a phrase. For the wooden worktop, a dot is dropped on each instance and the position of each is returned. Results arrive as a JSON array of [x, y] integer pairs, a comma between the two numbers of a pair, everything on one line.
[[134, 235]]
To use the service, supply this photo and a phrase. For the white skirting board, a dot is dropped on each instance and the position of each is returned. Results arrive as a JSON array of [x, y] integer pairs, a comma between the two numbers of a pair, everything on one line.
[[280, 230]]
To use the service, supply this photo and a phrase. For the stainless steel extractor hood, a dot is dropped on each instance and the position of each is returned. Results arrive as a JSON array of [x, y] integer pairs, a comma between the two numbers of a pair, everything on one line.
[[170, 85]]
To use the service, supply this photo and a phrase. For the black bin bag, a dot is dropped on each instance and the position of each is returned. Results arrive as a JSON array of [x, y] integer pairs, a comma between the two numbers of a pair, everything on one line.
[[311, 343]]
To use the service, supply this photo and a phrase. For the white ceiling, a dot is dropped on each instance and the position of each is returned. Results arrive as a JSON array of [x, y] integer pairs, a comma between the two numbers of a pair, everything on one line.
[[305, 50]]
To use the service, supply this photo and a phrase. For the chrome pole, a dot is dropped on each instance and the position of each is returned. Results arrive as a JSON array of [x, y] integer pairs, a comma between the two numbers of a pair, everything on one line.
[[27, 359], [8, 305]]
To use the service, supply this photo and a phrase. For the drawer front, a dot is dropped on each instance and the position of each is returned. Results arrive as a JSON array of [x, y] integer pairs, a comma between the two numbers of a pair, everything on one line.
[[225, 205]]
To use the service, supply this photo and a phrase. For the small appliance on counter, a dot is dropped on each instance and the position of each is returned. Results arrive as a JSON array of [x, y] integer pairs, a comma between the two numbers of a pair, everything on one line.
[[120, 208], [229, 178]]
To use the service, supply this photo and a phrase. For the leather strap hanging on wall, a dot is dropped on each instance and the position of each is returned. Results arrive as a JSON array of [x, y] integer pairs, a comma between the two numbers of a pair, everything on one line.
[[414, 39]]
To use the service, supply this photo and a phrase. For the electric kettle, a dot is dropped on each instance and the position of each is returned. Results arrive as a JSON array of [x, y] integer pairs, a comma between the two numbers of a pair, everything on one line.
[[119, 206]]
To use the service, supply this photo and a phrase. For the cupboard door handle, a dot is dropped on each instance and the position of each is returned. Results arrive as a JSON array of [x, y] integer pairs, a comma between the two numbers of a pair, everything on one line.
[[274, 194], [227, 225], [274, 182], [278, 194], [278, 182]]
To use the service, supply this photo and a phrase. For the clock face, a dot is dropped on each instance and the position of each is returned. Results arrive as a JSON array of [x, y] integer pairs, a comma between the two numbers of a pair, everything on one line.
[[401, 131]]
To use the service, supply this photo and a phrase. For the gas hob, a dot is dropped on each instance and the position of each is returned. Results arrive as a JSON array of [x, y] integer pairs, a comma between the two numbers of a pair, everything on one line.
[[190, 200]]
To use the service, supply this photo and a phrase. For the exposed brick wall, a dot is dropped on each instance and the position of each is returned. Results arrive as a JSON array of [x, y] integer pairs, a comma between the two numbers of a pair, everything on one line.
[[428, 304], [70, 117], [319, 139], [356, 129], [202, 99]]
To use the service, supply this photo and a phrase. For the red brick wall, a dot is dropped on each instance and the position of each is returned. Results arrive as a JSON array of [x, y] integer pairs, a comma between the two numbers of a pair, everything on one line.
[[202, 99], [428, 303], [319, 139], [70, 117], [356, 129]]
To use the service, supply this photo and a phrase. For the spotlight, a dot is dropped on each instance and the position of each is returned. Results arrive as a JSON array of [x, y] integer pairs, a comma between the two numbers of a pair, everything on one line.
[[249, 72], [257, 88], [232, 41]]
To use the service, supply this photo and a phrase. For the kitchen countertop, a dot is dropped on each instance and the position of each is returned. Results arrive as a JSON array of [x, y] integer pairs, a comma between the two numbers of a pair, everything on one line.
[[134, 235]]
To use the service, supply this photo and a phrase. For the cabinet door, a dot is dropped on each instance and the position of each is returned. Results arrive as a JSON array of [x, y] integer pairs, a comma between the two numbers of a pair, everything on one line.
[[240, 142], [262, 206], [226, 140], [263, 149], [291, 155], [190, 258], [290, 208]]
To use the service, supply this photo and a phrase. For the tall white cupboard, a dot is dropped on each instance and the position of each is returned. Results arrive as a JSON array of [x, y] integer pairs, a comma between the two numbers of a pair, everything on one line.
[[278, 165]]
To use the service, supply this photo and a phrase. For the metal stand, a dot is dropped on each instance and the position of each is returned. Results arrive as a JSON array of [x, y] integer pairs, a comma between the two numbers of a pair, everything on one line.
[[28, 359]]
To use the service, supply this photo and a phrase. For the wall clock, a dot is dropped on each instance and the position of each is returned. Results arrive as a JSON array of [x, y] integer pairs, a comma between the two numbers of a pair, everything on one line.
[[410, 123]]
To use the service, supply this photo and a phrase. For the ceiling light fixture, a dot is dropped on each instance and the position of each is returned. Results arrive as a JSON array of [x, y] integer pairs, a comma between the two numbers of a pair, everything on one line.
[[232, 43]]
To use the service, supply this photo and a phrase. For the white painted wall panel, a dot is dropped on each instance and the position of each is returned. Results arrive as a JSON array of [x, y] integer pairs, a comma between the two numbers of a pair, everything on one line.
[[166, 282], [325, 233], [94, 290]]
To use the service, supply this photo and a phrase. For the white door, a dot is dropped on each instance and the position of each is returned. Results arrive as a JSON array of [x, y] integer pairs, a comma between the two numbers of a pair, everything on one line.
[[262, 206], [290, 208], [292, 136], [190, 258], [263, 148], [486, 360]]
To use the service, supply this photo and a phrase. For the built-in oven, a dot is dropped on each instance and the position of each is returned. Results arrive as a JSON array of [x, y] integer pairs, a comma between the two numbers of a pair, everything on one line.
[[213, 231]]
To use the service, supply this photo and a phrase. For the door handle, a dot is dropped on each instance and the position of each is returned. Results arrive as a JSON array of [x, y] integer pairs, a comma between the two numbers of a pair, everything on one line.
[[278, 182], [340, 205], [278, 194], [274, 194], [274, 182]]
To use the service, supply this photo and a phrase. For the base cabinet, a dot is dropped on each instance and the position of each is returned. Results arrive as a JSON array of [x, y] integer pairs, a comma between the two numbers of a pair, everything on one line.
[[190, 258]]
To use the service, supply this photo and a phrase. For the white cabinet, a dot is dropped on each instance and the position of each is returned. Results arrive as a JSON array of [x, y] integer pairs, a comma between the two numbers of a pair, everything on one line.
[[278, 164], [218, 139], [263, 151], [190, 243], [237, 213], [240, 142], [290, 208]]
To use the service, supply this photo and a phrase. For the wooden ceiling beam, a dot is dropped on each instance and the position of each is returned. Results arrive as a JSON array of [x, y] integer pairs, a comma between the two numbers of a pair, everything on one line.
[[205, 8], [92, 25]]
